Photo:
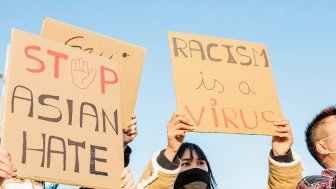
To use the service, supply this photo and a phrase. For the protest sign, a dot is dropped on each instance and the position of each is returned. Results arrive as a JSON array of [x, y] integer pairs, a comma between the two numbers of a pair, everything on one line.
[[224, 85], [130, 57], [61, 117]]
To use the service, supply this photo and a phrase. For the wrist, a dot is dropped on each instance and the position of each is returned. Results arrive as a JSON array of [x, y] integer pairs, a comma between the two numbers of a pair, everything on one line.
[[275, 153], [280, 152], [165, 163], [286, 158], [170, 153]]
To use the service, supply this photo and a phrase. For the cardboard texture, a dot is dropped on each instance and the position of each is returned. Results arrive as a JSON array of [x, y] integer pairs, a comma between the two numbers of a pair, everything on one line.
[[61, 118], [224, 85], [129, 56]]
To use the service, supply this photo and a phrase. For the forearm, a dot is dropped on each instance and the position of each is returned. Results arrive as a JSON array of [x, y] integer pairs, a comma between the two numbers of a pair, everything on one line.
[[284, 171], [160, 173]]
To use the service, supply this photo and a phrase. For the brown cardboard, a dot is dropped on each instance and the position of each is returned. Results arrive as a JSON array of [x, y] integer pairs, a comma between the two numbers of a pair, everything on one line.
[[224, 85], [129, 56], [58, 99]]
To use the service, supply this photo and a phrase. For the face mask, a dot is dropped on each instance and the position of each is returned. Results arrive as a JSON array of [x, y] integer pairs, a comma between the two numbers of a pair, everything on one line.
[[192, 179]]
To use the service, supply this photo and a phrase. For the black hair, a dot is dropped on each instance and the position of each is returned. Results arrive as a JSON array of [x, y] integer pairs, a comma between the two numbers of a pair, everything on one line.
[[311, 131], [191, 147]]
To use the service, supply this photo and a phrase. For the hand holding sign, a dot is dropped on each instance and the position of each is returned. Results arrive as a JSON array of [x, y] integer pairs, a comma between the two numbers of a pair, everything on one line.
[[127, 179], [224, 85], [93, 138], [284, 139], [7, 169], [176, 128], [130, 131], [82, 76]]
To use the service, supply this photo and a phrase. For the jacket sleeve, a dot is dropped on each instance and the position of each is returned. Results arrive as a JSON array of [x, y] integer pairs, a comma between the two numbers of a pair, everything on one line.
[[283, 175], [157, 176]]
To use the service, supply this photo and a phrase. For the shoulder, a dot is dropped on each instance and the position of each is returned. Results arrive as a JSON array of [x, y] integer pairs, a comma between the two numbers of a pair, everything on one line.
[[314, 180]]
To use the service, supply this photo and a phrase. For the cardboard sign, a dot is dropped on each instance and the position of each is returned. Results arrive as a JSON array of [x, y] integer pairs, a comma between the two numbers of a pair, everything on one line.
[[129, 56], [224, 85], [61, 118]]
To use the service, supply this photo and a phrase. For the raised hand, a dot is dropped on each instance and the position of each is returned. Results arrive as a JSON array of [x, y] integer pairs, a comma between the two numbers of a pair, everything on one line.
[[82, 76], [176, 130], [127, 179], [131, 131], [284, 139]]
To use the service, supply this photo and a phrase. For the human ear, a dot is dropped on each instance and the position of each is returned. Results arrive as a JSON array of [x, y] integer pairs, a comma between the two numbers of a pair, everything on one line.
[[321, 148]]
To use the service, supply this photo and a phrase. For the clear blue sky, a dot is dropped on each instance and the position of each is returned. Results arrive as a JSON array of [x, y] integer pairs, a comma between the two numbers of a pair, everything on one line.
[[300, 36]]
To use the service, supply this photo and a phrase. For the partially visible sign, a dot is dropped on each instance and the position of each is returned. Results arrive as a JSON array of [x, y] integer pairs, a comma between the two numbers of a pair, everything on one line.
[[224, 85], [130, 57], [61, 119]]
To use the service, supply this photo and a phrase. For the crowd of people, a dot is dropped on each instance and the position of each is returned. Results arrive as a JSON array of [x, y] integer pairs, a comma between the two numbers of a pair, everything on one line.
[[184, 165]]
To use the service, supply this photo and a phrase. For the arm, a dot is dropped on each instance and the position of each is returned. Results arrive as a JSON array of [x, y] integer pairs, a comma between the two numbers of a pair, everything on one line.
[[159, 173], [164, 167], [284, 169]]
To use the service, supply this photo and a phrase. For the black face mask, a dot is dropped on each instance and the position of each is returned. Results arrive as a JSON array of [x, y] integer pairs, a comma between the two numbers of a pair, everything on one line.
[[193, 179]]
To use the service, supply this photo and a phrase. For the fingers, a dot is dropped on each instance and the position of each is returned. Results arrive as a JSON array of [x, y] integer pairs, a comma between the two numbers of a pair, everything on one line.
[[281, 122], [178, 130], [79, 64], [73, 64], [178, 125], [130, 132], [179, 117], [132, 122], [129, 182], [76, 64], [124, 172], [130, 185], [5, 157], [175, 114], [183, 127], [131, 127], [126, 177], [85, 66], [282, 128], [7, 169]]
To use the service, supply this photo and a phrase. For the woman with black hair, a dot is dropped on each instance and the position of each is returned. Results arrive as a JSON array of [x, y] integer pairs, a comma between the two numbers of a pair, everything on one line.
[[195, 169], [185, 166]]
